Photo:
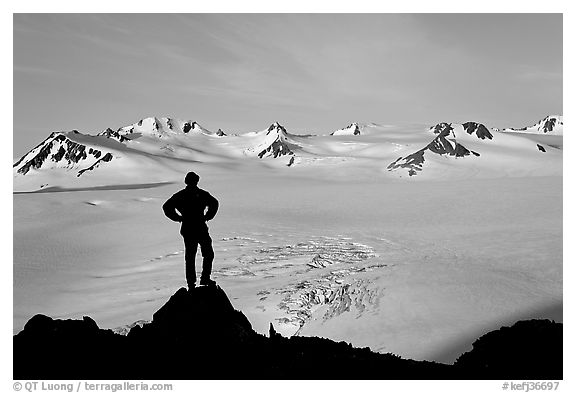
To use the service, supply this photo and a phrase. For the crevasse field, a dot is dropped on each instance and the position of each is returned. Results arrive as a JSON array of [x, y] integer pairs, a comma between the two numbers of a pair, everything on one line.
[[334, 245]]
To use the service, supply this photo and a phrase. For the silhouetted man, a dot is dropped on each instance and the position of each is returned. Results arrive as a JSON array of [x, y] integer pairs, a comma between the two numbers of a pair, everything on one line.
[[193, 207]]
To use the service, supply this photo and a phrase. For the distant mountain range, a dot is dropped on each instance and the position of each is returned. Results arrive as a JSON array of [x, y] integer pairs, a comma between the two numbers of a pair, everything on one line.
[[154, 148], [552, 125]]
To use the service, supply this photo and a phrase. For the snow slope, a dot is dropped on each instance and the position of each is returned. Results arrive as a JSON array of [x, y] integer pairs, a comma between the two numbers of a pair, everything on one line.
[[415, 268]]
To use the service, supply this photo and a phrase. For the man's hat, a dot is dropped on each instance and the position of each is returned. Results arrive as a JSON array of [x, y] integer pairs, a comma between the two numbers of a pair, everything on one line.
[[191, 179]]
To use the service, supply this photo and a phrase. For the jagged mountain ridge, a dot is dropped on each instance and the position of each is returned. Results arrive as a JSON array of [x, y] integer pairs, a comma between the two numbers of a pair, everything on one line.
[[552, 125], [196, 330], [162, 127], [274, 142], [444, 144], [77, 152], [352, 129], [141, 149], [454, 141], [63, 150]]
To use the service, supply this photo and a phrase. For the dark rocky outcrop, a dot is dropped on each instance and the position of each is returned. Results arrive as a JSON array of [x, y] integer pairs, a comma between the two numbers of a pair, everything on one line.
[[110, 133], [199, 335], [541, 148], [527, 350], [66, 151], [352, 129], [187, 127], [107, 158], [276, 149], [546, 125], [477, 129], [279, 147], [444, 143], [549, 124]]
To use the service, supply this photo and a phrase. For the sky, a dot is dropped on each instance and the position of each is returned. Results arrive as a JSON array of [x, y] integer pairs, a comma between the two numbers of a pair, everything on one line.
[[313, 73]]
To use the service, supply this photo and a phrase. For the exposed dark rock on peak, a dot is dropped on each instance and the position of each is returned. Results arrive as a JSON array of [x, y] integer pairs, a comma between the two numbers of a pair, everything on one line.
[[109, 133], [412, 162], [220, 132], [107, 158], [442, 128], [549, 124], [352, 129], [187, 127], [275, 143], [478, 129], [198, 334], [445, 143], [278, 127], [276, 149], [57, 148]]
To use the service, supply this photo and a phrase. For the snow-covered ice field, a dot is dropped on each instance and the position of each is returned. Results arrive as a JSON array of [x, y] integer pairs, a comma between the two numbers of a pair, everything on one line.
[[418, 268]]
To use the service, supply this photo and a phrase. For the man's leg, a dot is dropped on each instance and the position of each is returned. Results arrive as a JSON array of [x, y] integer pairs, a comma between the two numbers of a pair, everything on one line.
[[191, 247], [207, 255]]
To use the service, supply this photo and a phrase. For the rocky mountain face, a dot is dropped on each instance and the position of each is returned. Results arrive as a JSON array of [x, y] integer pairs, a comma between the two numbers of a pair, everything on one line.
[[199, 335], [549, 125], [59, 150], [444, 144], [352, 129], [162, 127], [80, 153], [275, 143]]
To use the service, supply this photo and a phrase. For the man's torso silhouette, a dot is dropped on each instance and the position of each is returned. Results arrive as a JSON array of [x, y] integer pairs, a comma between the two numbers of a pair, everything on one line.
[[193, 207]]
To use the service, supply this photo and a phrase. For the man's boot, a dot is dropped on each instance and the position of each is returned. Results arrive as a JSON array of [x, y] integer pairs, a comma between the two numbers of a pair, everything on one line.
[[207, 281]]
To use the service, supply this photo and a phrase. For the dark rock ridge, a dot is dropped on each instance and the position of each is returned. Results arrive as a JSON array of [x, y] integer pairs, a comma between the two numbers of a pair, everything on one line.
[[276, 149], [352, 129], [199, 335], [477, 129], [58, 148], [541, 148], [158, 127], [279, 146], [548, 124], [444, 143], [107, 158], [528, 348], [109, 133]]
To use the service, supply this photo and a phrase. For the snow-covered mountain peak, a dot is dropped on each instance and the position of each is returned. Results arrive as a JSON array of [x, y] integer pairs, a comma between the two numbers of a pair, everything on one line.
[[65, 150], [478, 129], [163, 126], [441, 128], [553, 124], [455, 130], [278, 128], [273, 142], [110, 133], [352, 129]]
